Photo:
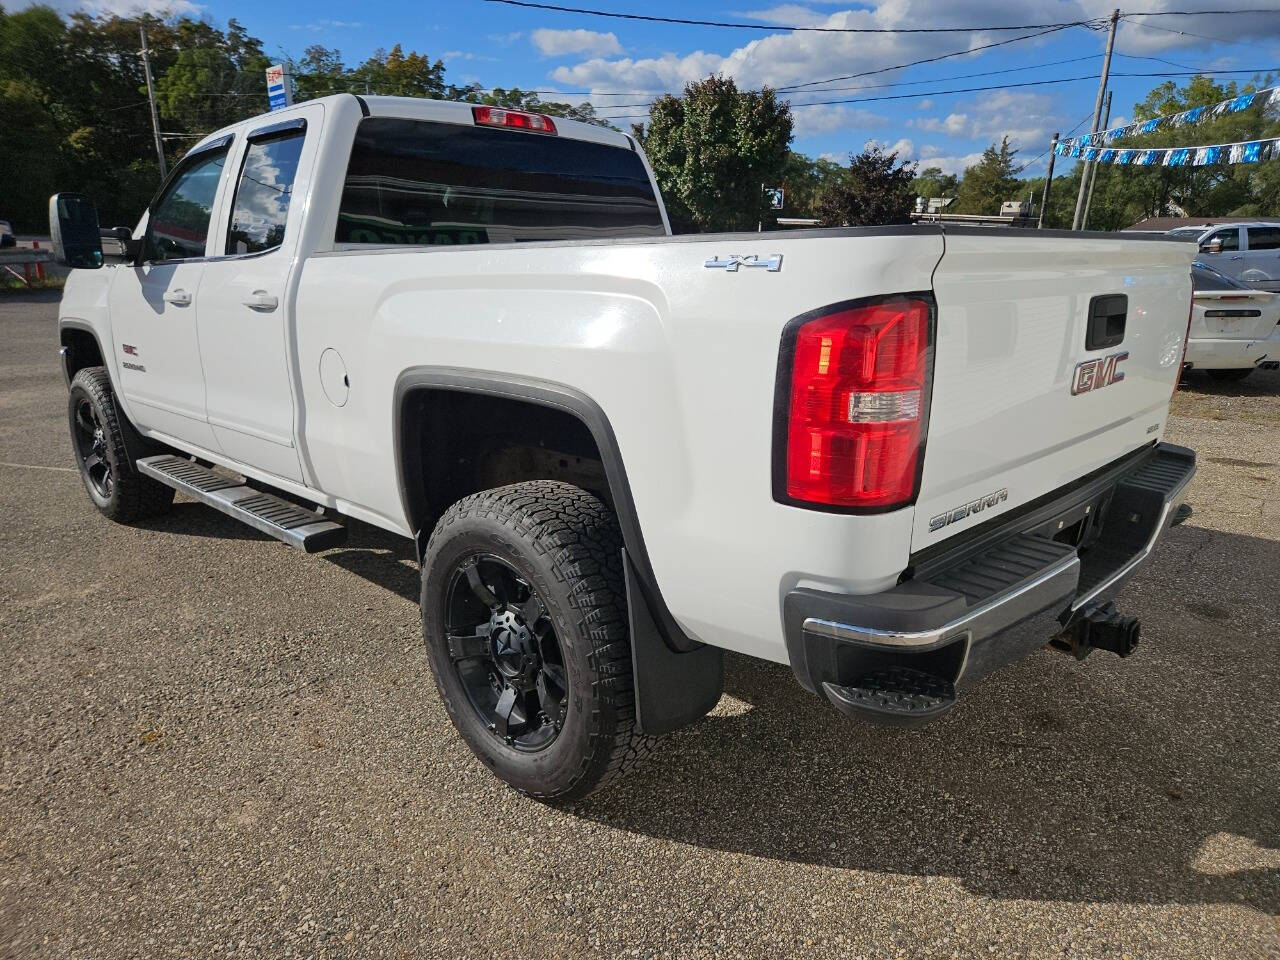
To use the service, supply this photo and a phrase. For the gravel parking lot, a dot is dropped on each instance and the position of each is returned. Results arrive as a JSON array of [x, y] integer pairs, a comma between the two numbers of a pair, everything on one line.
[[213, 745]]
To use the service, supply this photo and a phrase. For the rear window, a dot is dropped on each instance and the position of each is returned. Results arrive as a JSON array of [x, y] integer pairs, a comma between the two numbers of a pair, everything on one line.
[[424, 183]]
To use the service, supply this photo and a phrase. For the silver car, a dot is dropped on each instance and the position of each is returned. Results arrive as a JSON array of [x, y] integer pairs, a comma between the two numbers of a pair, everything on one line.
[[1248, 252]]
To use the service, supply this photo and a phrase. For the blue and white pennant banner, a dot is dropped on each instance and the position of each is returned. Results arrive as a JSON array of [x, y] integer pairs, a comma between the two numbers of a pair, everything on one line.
[[1253, 151], [1268, 97]]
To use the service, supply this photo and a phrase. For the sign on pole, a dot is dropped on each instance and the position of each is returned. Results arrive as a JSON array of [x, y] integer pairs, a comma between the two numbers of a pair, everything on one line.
[[776, 196], [279, 89]]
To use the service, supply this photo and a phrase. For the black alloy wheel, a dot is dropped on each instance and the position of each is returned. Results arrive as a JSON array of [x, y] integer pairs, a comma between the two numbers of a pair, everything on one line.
[[91, 448], [110, 478], [504, 649], [525, 619]]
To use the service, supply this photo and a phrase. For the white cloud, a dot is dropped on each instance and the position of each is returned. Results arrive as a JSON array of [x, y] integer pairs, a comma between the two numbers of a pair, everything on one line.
[[933, 156], [817, 120], [832, 157], [786, 14], [123, 8], [454, 56], [1027, 119], [782, 59], [324, 26], [904, 148], [786, 58], [559, 43]]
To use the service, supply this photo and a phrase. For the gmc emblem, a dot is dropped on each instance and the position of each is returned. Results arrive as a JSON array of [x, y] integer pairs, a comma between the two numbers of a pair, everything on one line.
[[1099, 373]]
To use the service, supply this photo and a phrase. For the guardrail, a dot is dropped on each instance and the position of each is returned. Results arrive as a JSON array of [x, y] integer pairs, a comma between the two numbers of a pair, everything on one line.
[[32, 260]]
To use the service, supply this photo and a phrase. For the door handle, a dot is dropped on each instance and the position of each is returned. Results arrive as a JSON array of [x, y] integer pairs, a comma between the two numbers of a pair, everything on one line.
[[1236, 257], [179, 298], [261, 300]]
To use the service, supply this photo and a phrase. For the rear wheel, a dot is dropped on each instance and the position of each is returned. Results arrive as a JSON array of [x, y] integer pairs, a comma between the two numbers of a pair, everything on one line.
[[1229, 376], [113, 484], [525, 621]]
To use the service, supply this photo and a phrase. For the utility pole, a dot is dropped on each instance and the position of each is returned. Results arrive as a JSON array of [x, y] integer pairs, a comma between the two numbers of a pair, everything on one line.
[[1097, 114], [1093, 170], [151, 96], [1048, 180]]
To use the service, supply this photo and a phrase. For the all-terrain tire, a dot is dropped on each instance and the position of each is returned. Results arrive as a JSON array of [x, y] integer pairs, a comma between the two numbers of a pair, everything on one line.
[[565, 544], [1229, 376], [125, 495]]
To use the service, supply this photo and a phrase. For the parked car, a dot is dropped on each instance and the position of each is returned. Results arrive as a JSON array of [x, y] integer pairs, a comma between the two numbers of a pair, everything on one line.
[[1248, 252], [1234, 327], [895, 458], [7, 239]]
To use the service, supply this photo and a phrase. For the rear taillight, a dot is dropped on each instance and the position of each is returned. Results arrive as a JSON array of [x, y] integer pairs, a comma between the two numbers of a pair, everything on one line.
[[856, 408], [1182, 363], [517, 119]]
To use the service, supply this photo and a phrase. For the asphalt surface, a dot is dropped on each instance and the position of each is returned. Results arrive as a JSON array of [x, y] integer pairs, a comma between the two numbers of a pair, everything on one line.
[[211, 745]]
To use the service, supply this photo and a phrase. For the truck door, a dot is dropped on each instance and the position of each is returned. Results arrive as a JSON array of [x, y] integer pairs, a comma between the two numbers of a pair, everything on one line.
[[243, 319], [153, 305], [1261, 264]]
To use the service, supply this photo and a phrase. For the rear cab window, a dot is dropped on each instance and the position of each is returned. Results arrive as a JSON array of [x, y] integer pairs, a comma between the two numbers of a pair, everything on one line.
[[430, 183]]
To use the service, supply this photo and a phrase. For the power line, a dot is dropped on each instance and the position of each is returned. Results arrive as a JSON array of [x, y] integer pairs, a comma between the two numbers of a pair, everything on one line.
[[1083, 120], [917, 63], [1200, 36], [943, 93], [1197, 13], [774, 27]]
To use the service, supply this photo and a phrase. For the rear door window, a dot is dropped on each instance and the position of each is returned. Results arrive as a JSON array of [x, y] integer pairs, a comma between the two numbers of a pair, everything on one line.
[[425, 183], [261, 208], [1264, 238]]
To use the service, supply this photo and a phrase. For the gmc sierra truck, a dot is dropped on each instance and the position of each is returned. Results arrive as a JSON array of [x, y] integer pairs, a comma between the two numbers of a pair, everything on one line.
[[894, 459]]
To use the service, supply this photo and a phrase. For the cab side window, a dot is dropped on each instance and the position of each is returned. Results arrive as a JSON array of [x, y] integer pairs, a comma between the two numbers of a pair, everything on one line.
[[1230, 239], [1264, 238], [179, 223], [261, 208]]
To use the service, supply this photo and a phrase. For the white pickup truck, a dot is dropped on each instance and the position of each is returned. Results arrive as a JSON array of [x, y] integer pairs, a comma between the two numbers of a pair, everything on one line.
[[893, 459]]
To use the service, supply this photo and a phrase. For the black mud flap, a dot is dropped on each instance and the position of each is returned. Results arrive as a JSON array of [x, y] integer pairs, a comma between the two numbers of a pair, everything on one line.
[[672, 689]]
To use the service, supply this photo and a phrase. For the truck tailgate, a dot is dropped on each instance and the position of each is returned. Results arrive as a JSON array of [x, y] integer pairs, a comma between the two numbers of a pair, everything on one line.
[[1005, 426]]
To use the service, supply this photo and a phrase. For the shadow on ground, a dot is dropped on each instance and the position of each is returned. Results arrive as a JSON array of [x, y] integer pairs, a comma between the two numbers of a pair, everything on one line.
[[1096, 782]]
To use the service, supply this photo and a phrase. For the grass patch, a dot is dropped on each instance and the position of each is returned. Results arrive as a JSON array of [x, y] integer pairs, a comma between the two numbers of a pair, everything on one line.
[[9, 284]]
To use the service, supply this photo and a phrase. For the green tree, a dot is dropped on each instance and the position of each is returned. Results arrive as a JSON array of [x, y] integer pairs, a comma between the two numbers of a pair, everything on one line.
[[931, 182], [398, 74], [215, 79], [713, 149], [876, 189], [803, 179], [320, 73], [989, 182]]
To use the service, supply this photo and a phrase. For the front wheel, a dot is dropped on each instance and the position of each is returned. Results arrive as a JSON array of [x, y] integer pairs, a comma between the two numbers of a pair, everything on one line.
[[1229, 376], [113, 484], [525, 620]]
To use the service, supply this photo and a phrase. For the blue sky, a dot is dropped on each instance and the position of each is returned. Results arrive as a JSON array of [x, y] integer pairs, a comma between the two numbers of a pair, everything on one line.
[[596, 58]]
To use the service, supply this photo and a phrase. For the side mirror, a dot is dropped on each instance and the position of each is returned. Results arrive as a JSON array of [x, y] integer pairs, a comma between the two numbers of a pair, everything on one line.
[[1213, 246], [118, 244], [73, 228]]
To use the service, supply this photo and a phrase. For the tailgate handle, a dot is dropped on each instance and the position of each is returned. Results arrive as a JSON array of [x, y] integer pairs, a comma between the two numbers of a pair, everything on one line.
[[1106, 321]]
